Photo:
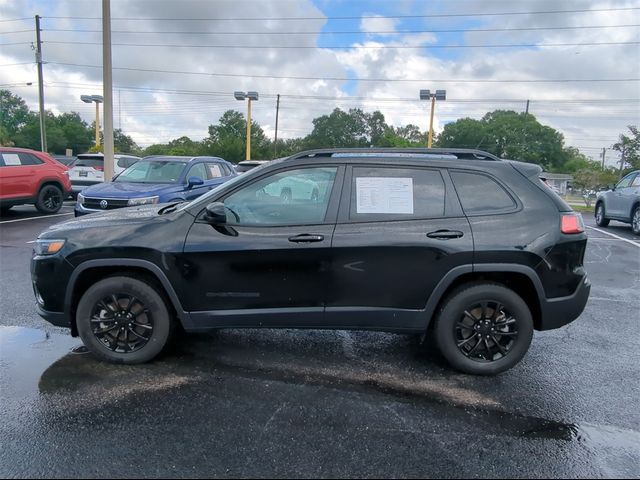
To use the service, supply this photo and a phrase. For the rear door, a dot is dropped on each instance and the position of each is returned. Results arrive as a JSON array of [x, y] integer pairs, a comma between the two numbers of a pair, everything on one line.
[[399, 231]]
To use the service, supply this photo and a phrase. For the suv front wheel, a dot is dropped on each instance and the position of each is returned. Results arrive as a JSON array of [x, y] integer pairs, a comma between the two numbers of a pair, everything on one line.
[[484, 329], [123, 320], [601, 220]]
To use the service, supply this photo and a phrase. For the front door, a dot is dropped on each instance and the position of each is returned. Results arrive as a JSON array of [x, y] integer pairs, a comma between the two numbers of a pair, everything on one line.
[[269, 265], [620, 198], [395, 239]]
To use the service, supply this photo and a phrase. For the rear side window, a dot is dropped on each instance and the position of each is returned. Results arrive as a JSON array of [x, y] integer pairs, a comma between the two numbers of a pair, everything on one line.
[[126, 162], [17, 159], [385, 193], [480, 194], [89, 162], [215, 171], [28, 159]]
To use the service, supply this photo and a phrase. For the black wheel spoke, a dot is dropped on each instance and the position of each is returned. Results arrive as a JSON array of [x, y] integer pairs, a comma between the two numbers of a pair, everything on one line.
[[105, 330], [475, 347], [507, 334], [138, 335], [488, 349], [503, 351], [148, 327], [465, 326], [508, 321], [105, 307], [116, 303], [497, 311], [113, 345], [464, 342], [98, 319], [131, 302], [467, 314]]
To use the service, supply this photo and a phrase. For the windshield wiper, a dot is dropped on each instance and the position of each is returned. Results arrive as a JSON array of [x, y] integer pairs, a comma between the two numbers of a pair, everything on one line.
[[170, 208]]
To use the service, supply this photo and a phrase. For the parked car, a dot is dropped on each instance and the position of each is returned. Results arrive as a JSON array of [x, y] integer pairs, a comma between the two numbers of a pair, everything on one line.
[[156, 180], [88, 169], [621, 203], [247, 165], [452, 243], [28, 176], [64, 159]]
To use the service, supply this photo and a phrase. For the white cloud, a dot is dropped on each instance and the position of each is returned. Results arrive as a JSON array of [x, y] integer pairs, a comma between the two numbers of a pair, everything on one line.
[[374, 24]]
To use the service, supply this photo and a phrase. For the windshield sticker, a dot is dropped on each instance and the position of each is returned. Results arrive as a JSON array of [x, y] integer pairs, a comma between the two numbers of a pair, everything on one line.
[[384, 195]]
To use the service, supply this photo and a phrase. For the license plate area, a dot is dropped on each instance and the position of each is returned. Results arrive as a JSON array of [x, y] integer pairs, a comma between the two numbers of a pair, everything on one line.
[[82, 173]]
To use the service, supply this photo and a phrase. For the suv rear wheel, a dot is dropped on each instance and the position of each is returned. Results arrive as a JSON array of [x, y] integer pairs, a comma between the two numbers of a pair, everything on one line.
[[484, 329], [601, 220], [123, 320], [49, 199]]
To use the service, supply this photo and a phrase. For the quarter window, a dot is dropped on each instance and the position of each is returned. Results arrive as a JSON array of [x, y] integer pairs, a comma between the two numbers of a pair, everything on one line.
[[294, 197], [29, 159], [481, 194], [384, 193]]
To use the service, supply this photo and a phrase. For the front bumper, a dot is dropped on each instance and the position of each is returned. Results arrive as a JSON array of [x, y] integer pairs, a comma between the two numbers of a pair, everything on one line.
[[80, 210], [557, 312], [58, 319]]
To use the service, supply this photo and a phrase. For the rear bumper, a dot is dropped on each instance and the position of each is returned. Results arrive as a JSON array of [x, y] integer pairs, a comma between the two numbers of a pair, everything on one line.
[[557, 312]]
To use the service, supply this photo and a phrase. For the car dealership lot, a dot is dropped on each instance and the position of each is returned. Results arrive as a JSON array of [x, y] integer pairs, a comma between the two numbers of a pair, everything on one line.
[[313, 403]]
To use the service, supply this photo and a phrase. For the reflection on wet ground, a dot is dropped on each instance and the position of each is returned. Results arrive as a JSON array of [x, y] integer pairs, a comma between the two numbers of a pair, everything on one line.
[[55, 373]]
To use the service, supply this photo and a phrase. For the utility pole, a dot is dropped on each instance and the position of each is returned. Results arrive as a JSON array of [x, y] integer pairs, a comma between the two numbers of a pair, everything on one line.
[[107, 81], [43, 132], [275, 144], [433, 107], [604, 152], [119, 112], [526, 112]]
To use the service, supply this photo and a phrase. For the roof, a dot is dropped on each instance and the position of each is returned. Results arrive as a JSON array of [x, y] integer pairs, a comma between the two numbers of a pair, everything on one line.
[[179, 158], [432, 153]]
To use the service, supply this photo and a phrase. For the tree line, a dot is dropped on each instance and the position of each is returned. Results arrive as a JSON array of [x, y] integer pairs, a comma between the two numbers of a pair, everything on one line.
[[505, 133]]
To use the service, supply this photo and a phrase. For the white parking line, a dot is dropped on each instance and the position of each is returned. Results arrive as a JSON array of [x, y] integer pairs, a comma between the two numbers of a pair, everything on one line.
[[615, 236], [36, 218]]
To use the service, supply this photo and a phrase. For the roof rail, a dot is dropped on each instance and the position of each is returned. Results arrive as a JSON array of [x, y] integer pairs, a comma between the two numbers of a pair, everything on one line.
[[460, 153]]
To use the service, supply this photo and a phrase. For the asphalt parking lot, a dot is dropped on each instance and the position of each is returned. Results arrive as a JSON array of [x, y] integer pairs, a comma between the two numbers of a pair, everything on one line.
[[322, 404]]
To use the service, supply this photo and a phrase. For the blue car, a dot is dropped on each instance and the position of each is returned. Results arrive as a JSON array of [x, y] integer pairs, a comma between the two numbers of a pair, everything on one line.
[[157, 179]]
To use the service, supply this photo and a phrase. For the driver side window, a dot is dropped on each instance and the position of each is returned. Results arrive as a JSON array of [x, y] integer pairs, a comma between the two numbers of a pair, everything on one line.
[[294, 197], [626, 181]]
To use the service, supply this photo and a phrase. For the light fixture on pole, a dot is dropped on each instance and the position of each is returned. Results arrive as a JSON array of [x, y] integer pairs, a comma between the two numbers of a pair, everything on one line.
[[98, 100], [249, 96], [427, 95]]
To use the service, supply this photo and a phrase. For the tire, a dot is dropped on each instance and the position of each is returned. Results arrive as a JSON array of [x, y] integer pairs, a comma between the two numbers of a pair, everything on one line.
[[135, 338], [635, 220], [4, 210], [483, 356], [601, 219], [49, 200]]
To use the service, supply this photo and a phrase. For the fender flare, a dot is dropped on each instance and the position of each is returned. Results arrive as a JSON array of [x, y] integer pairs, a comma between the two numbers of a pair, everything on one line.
[[150, 267]]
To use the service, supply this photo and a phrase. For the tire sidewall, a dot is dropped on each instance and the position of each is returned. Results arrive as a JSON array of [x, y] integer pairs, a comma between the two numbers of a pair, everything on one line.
[[635, 212], [41, 194], [145, 293], [452, 312], [602, 221]]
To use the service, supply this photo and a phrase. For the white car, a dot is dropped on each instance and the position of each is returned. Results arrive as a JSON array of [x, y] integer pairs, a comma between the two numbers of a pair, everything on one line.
[[88, 169]]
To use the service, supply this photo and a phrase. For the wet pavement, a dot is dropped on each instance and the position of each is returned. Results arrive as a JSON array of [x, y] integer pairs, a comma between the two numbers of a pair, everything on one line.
[[331, 404]]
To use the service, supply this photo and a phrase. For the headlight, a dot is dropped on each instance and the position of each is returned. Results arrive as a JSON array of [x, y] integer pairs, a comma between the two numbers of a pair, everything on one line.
[[48, 246], [80, 198], [143, 201]]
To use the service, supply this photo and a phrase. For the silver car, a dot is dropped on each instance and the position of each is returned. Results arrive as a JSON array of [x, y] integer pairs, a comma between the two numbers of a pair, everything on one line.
[[621, 203]]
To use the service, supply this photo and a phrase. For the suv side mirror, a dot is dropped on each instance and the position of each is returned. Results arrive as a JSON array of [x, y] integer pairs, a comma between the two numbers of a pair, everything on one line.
[[194, 182], [215, 214], [612, 187]]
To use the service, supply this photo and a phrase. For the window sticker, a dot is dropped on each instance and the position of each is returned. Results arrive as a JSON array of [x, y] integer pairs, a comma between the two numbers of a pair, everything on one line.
[[11, 159], [384, 195]]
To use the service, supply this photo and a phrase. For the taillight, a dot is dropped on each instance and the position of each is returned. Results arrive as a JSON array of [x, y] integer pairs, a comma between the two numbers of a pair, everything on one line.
[[100, 169], [572, 223]]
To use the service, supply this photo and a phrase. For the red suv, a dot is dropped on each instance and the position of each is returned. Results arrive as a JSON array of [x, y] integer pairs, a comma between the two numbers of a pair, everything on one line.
[[27, 176]]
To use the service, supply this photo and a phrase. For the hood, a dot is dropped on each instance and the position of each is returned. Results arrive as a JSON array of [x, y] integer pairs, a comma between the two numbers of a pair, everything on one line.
[[110, 219], [126, 190]]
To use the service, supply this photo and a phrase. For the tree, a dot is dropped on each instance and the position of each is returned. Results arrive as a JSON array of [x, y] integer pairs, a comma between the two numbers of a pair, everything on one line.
[[629, 148], [508, 134], [227, 139], [14, 114], [354, 128]]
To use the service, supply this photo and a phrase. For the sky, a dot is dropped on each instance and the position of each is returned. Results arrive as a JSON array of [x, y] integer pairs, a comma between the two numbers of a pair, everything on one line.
[[323, 54]]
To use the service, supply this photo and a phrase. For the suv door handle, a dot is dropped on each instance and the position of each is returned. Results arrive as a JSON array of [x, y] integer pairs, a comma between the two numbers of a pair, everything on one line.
[[306, 238], [445, 234]]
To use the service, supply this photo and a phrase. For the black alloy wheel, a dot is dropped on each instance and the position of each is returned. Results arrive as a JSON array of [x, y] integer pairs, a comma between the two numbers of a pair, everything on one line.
[[49, 199], [124, 319], [483, 328], [486, 332], [122, 323]]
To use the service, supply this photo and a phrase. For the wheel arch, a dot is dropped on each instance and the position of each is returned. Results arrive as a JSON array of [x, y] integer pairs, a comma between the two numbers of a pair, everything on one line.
[[519, 278], [87, 273]]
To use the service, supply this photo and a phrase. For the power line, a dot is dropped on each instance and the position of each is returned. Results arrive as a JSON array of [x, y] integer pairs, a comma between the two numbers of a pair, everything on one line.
[[16, 31], [14, 43], [15, 19], [359, 17], [348, 79], [15, 64], [352, 32], [352, 47]]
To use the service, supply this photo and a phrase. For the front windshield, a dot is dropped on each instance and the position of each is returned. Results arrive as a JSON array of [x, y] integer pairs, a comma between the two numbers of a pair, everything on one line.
[[152, 172]]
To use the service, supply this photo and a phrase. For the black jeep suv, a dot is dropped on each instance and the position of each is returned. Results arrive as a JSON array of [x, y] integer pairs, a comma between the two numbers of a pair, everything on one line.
[[458, 244]]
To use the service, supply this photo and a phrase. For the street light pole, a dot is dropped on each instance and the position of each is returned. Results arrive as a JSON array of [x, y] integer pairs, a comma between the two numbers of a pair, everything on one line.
[[427, 95], [107, 90], [97, 124], [249, 96], [43, 131]]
